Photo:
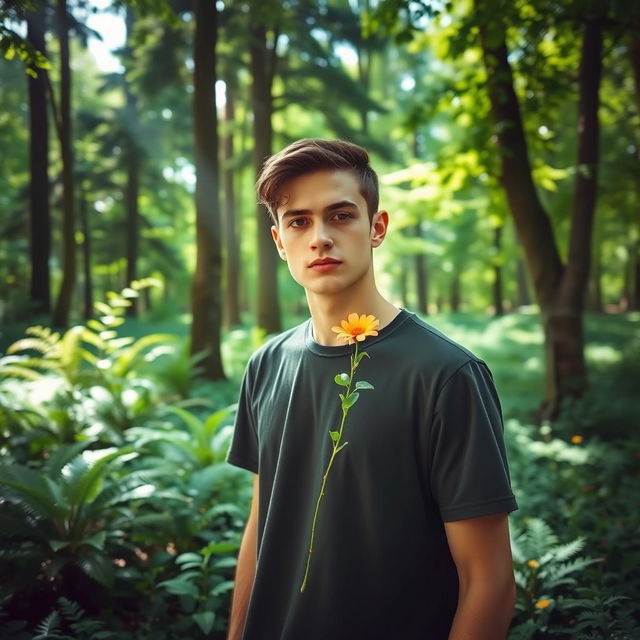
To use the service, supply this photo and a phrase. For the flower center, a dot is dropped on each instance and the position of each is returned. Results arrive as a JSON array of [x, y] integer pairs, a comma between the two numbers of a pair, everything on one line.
[[356, 331]]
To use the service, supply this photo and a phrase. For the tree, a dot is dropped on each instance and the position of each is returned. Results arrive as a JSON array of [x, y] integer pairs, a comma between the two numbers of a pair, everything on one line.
[[206, 295], [133, 160], [40, 223], [62, 307], [264, 33], [560, 288]]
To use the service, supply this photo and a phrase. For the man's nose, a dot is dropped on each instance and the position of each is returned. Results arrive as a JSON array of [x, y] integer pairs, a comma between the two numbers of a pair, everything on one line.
[[321, 237]]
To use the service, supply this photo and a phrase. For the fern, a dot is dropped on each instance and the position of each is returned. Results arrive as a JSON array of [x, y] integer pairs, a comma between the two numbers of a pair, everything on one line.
[[49, 628]]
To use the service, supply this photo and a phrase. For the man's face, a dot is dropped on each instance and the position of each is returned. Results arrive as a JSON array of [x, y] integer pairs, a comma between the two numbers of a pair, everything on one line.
[[324, 232]]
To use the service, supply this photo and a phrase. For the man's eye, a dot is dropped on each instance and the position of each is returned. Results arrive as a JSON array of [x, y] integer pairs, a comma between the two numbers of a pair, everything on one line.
[[343, 215], [297, 222]]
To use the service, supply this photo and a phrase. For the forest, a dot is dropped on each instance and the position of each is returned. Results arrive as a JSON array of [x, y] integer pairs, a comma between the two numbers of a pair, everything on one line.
[[138, 275]]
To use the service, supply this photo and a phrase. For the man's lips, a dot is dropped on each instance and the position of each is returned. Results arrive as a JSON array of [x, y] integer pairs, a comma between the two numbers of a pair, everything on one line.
[[324, 264]]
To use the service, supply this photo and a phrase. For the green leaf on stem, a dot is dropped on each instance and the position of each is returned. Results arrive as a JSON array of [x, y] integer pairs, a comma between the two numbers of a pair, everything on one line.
[[350, 400], [343, 379], [360, 356], [335, 435], [363, 384]]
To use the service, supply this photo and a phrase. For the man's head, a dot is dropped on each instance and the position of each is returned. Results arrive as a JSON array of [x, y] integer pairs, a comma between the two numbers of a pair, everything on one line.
[[311, 155]]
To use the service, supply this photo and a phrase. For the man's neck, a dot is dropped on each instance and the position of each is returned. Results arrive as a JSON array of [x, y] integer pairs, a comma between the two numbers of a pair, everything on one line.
[[329, 311]]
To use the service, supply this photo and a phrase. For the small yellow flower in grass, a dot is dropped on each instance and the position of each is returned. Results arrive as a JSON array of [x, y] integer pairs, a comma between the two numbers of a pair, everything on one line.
[[356, 328], [576, 439], [543, 603], [533, 564]]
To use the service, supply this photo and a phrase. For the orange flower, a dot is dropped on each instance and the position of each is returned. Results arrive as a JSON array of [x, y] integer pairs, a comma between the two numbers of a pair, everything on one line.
[[576, 439], [357, 328], [543, 604], [533, 564]]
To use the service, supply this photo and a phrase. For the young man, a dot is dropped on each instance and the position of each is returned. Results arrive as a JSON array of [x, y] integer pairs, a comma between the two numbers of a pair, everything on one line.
[[412, 538]]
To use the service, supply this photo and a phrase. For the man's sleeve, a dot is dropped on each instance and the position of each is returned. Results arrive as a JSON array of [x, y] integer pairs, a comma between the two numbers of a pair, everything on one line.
[[469, 473], [244, 445]]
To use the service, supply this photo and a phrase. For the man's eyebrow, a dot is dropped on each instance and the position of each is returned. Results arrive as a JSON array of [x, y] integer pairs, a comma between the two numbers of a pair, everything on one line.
[[342, 204]]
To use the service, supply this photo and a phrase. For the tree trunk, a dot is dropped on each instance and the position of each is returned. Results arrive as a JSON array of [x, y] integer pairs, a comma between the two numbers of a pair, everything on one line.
[[232, 271], [634, 290], [404, 282], [262, 70], [498, 306], [86, 254], [594, 289], [523, 297], [40, 222], [454, 292], [420, 262], [206, 294], [560, 291], [133, 159], [65, 295]]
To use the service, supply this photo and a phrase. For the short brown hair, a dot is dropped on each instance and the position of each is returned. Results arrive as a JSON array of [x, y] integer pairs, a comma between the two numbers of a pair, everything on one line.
[[314, 154]]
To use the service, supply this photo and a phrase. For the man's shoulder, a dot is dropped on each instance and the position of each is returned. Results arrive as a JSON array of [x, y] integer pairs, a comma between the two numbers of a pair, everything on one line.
[[287, 344], [426, 342]]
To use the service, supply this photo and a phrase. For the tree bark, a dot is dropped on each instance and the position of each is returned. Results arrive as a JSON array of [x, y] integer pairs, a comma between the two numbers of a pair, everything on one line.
[[420, 262], [86, 255], [206, 295], [560, 290], [498, 305], [454, 293], [634, 297], [523, 297], [40, 222], [65, 295], [262, 64], [133, 159], [232, 271]]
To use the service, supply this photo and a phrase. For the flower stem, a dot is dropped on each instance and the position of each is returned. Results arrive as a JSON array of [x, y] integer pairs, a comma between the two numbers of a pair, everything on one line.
[[336, 448]]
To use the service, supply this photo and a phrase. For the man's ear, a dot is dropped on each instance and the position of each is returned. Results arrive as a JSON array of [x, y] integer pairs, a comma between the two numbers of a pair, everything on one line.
[[379, 226], [275, 234]]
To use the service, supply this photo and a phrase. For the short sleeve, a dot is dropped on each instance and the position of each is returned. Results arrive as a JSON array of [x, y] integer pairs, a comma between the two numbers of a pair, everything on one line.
[[244, 444], [468, 463]]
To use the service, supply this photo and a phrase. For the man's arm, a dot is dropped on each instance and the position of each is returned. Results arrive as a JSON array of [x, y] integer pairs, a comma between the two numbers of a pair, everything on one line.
[[482, 553], [245, 571]]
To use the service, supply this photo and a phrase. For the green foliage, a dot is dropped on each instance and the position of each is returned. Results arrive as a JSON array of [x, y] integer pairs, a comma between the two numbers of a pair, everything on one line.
[[55, 518], [201, 582]]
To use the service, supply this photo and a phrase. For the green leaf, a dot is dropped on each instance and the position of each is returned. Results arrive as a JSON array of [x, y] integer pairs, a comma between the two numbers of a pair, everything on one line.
[[363, 384], [189, 557], [205, 620], [335, 435], [350, 400], [360, 356], [97, 540], [56, 545], [342, 379]]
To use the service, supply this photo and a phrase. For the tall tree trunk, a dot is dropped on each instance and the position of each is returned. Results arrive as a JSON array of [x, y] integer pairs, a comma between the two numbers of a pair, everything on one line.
[[498, 305], [404, 282], [206, 294], [65, 295], [232, 271], [523, 297], [40, 222], [420, 262], [634, 298], [86, 255], [560, 290], [454, 292], [133, 159], [263, 60], [594, 288], [364, 68]]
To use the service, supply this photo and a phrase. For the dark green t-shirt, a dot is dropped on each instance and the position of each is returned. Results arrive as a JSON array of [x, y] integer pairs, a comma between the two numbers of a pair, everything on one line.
[[424, 447]]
